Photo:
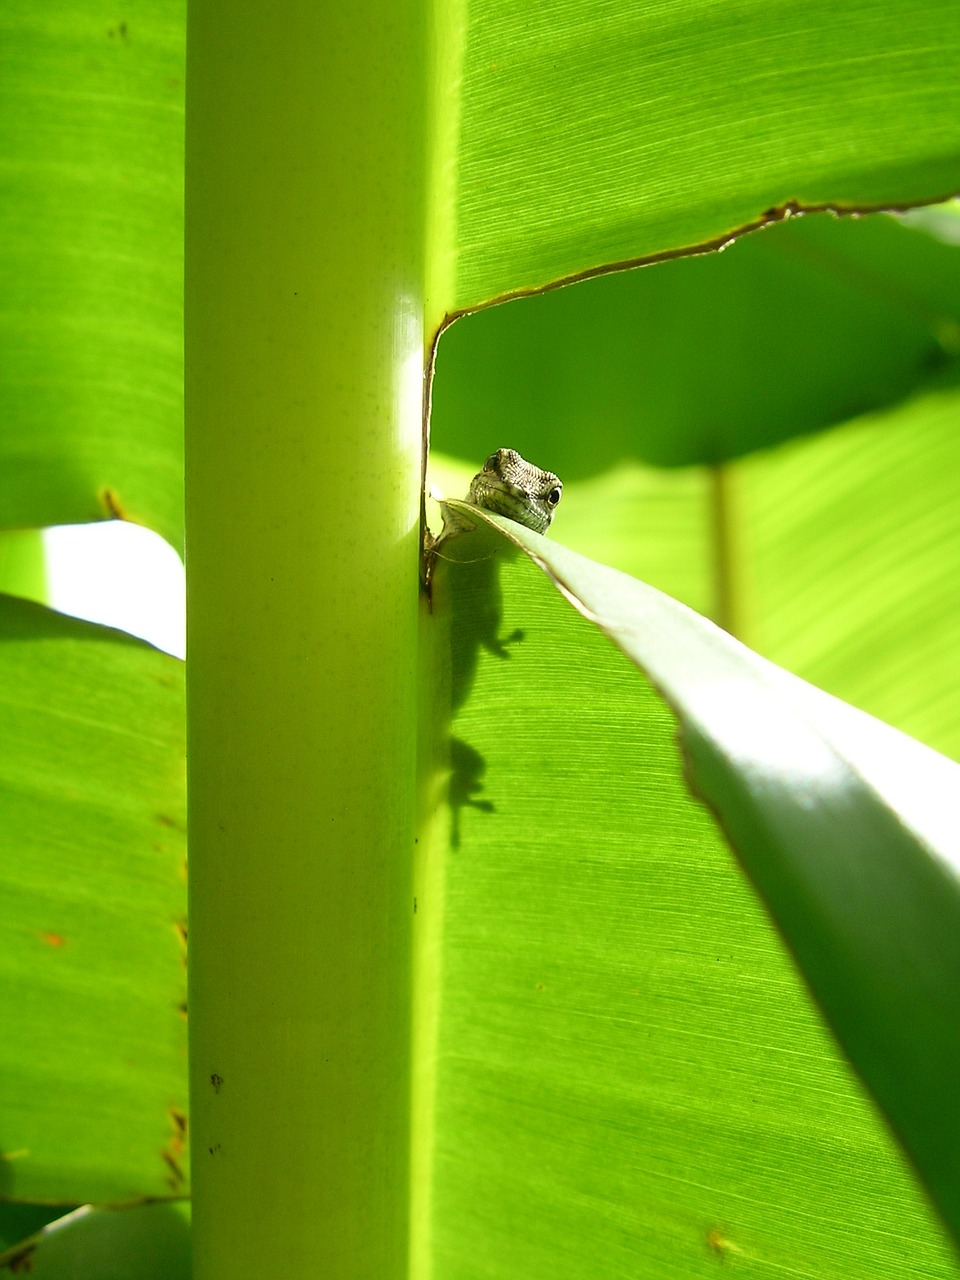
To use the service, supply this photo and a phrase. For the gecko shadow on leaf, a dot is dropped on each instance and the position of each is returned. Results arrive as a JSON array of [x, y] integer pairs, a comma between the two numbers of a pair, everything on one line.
[[468, 584], [467, 767]]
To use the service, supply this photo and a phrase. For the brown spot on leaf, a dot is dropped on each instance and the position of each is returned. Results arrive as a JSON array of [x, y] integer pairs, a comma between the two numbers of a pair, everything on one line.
[[217, 1082], [21, 1264], [179, 1121], [176, 1180], [111, 504], [172, 1153], [53, 939], [720, 1244], [781, 212]]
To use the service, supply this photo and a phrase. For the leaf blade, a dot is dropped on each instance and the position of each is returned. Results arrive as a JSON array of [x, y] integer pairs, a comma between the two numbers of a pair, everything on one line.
[[92, 860], [869, 909], [595, 136], [91, 228], [626, 1061]]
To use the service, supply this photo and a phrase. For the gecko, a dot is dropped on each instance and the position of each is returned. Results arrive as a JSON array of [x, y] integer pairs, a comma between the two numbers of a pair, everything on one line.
[[510, 486], [515, 488]]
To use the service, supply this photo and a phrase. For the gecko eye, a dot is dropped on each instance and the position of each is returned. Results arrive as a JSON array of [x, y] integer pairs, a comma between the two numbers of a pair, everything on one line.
[[553, 497], [491, 462]]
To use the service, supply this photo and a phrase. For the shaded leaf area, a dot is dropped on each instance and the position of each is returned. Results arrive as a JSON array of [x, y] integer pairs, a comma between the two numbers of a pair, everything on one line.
[[92, 913], [592, 134], [91, 229], [848, 829], [628, 1066], [148, 1242], [810, 323]]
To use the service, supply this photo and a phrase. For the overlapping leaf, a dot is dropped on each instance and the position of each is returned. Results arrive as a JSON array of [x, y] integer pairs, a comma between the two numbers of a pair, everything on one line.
[[92, 913], [808, 324], [627, 1064]]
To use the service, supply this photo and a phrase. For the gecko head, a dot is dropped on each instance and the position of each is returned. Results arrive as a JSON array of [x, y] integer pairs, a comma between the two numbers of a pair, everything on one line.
[[515, 488]]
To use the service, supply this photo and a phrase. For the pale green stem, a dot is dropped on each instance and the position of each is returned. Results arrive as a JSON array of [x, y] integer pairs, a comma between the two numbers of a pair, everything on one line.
[[304, 351], [722, 499]]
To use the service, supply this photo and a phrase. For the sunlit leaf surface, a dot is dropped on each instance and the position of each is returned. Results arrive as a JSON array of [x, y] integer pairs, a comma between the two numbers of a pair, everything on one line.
[[846, 558], [91, 231], [594, 133]]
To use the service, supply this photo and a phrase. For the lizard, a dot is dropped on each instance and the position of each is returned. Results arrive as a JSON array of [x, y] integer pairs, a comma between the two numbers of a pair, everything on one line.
[[515, 488], [510, 486]]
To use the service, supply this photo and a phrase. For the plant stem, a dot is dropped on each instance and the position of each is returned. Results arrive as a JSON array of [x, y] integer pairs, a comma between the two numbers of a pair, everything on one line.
[[304, 352], [726, 609]]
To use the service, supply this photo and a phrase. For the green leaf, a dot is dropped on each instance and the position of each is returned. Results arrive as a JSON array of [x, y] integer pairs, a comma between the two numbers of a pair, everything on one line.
[[92, 911], [846, 827], [625, 1065], [91, 229], [589, 135], [811, 323]]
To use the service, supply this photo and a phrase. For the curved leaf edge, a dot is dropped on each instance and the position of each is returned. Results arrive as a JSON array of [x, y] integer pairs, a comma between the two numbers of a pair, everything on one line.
[[715, 244]]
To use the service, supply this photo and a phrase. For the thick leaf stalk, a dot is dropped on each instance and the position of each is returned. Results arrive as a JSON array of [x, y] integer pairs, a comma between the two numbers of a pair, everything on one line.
[[305, 160]]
